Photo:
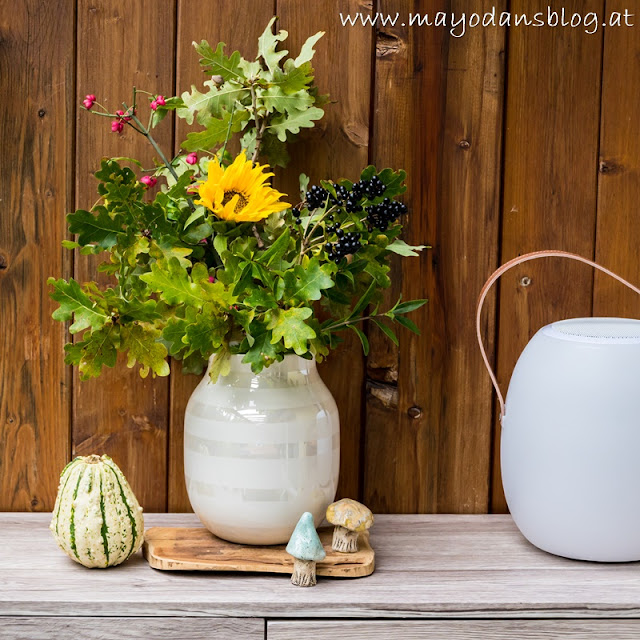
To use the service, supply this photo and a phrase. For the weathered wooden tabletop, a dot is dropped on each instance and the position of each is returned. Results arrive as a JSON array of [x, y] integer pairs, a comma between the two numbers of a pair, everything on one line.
[[427, 566]]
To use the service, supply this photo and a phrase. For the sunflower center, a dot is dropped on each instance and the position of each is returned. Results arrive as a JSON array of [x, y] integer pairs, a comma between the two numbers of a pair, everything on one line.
[[243, 201]]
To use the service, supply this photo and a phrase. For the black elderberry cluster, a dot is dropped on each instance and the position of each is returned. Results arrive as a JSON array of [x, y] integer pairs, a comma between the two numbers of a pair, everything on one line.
[[316, 197], [382, 215], [348, 243], [370, 188]]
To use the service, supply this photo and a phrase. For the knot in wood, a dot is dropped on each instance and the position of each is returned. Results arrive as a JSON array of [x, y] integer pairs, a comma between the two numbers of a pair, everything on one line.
[[387, 44], [607, 166], [4, 264], [356, 133]]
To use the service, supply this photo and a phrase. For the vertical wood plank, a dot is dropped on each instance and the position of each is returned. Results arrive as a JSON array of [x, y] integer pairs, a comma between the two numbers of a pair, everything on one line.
[[448, 440], [403, 420], [36, 190], [337, 147], [551, 147], [468, 242], [122, 44], [215, 22], [618, 230]]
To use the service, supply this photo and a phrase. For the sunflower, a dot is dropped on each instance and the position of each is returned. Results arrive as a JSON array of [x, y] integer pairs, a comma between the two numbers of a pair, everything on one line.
[[239, 192]]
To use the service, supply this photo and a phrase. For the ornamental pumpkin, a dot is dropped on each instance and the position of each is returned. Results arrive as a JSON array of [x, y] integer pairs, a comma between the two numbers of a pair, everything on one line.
[[97, 520]]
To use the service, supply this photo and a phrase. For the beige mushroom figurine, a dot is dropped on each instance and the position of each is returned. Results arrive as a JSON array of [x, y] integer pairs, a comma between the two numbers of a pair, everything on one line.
[[350, 518]]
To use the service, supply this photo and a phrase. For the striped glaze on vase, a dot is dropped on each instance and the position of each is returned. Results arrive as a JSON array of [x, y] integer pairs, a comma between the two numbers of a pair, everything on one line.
[[261, 449]]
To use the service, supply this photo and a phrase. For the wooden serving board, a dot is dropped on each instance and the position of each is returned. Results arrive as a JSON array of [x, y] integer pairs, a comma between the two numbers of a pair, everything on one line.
[[196, 549]]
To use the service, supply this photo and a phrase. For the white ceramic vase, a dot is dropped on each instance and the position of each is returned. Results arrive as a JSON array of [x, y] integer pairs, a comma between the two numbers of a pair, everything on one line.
[[261, 449]]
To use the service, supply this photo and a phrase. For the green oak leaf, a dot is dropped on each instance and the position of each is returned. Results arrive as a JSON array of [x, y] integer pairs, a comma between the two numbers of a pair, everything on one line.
[[403, 249], [307, 281], [294, 121], [275, 99], [318, 349], [307, 51], [214, 102], [97, 349], [131, 246], [251, 70], [216, 291], [274, 223], [153, 217], [261, 352], [293, 78], [261, 298], [205, 331], [267, 44], [74, 302], [118, 185], [194, 364], [215, 132], [138, 310], [274, 150], [172, 336], [220, 364], [165, 247], [100, 229], [289, 326], [393, 181], [172, 282], [144, 347], [175, 286], [215, 63]]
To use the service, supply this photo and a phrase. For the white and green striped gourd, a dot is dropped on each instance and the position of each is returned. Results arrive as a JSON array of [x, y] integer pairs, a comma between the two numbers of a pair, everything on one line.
[[97, 520]]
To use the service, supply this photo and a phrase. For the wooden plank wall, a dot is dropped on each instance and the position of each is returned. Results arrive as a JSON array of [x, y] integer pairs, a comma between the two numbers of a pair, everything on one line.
[[514, 139]]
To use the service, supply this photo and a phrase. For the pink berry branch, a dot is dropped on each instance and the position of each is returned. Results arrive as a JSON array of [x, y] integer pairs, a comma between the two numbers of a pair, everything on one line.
[[129, 117]]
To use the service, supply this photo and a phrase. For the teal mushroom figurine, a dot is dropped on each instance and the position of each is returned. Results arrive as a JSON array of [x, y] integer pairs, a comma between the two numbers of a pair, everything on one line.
[[306, 549]]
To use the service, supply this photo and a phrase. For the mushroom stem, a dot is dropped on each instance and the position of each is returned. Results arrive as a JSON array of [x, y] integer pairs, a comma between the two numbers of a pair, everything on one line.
[[304, 573], [344, 541]]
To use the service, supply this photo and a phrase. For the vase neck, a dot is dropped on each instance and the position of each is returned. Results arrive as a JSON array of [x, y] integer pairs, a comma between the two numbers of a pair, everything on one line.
[[290, 364]]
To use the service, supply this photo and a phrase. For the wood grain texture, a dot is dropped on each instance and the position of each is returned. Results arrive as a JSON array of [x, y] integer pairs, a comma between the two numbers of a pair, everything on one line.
[[549, 201], [618, 231], [401, 451], [122, 45], [61, 628], [195, 549], [337, 147], [439, 566], [468, 251], [464, 630], [213, 21], [36, 190]]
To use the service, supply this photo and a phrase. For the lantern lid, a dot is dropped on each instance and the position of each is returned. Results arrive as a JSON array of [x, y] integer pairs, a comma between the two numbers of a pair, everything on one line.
[[595, 330]]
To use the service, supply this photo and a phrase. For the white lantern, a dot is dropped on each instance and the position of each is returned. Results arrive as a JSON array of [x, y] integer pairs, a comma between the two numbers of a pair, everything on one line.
[[570, 447]]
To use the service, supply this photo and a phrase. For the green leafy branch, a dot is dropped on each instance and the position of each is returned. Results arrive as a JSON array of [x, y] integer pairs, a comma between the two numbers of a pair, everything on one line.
[[268, 100]]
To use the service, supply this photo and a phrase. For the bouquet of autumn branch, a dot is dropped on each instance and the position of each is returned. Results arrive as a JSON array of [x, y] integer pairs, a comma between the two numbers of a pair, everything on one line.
[[218, 262]]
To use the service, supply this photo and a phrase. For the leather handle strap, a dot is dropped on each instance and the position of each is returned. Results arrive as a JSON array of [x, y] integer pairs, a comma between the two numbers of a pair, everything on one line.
[[502, 270]]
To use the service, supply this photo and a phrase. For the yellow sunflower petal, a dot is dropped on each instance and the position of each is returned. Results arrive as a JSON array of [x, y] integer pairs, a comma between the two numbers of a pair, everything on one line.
[[241, 192]]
